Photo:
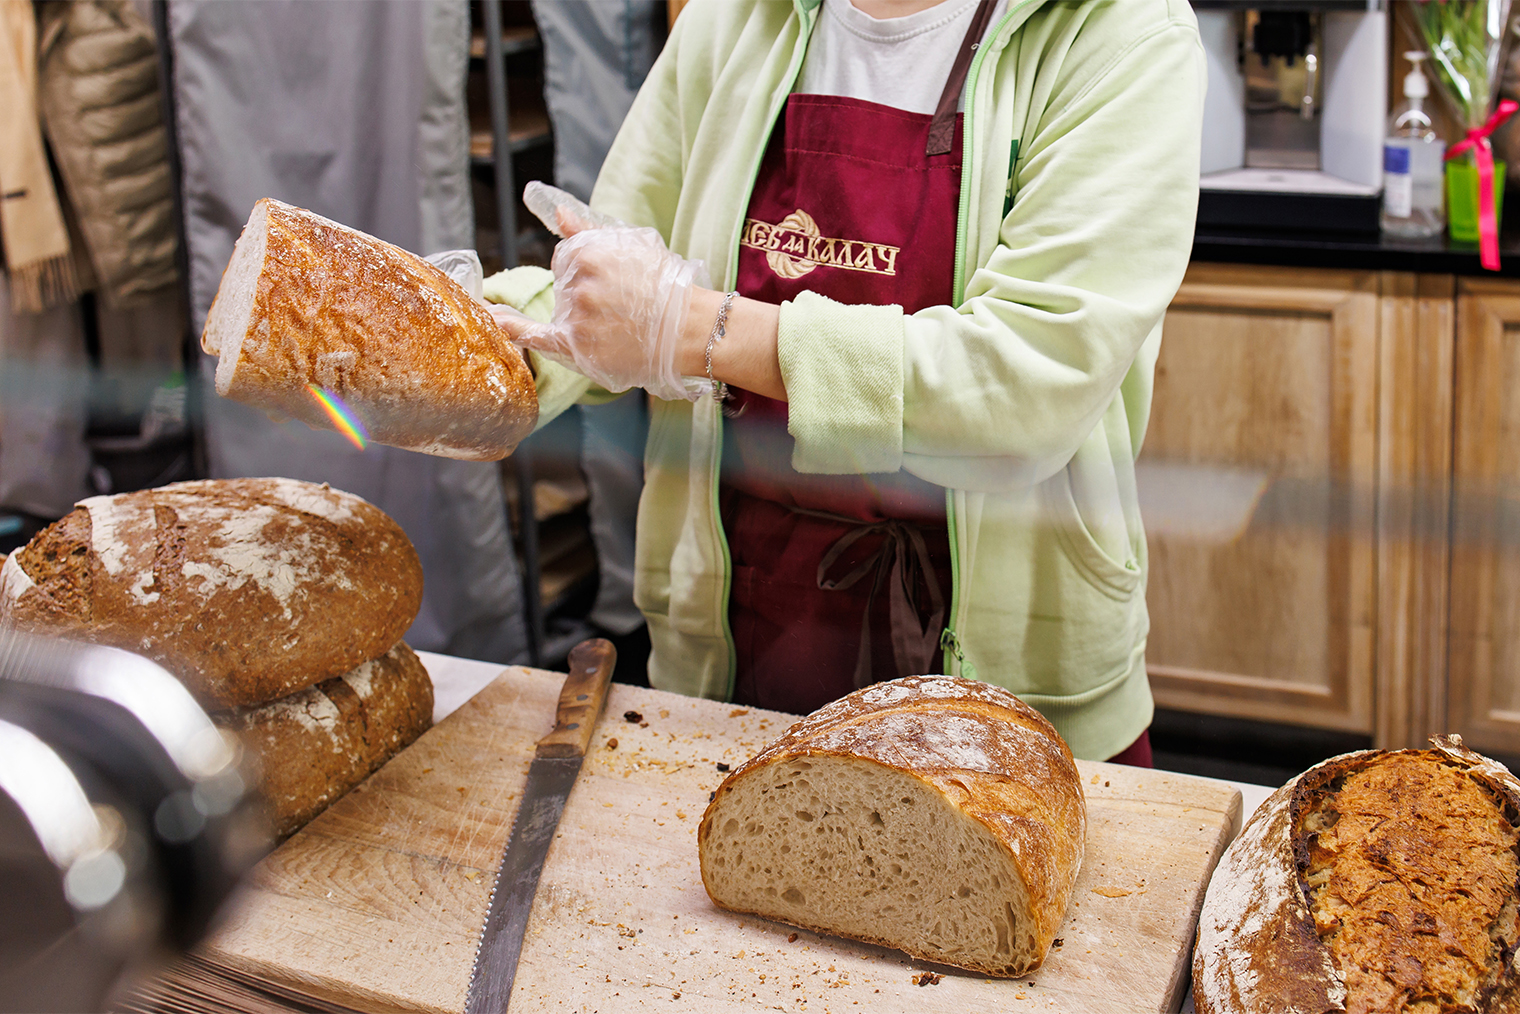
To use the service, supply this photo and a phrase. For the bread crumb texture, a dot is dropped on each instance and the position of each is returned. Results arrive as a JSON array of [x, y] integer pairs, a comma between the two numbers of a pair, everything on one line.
[[1412, 884], [247, 589], [942, 817]]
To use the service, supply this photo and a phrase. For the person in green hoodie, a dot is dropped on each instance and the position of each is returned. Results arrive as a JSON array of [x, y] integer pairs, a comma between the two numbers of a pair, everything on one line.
[[899, 434]]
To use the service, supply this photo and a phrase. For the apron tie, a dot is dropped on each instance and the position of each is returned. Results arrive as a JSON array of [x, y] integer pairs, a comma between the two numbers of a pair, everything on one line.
[[899, 562]]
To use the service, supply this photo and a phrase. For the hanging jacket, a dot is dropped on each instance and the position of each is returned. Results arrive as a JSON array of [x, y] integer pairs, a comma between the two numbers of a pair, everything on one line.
[[1027, 399], [35, 253], [98, 87]]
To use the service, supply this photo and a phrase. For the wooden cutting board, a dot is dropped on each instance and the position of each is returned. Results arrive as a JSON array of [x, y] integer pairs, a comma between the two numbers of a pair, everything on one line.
[[378, 902]]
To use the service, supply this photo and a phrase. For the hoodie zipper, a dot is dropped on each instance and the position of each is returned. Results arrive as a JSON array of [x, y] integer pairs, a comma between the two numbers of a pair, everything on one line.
[[955, 661], [798, 55]]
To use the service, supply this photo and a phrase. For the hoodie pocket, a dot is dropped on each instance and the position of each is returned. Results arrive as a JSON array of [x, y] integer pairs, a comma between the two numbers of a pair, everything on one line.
[[1074, 511]]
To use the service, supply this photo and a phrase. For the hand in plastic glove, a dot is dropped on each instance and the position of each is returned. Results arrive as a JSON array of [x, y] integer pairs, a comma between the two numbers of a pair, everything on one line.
[[620, 300]]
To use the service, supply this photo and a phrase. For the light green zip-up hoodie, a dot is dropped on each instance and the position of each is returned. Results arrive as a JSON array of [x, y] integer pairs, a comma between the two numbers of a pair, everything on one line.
[[1028, 401]]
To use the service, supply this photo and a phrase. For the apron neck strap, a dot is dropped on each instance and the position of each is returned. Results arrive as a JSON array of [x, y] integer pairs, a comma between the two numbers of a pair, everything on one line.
[[942, 127]]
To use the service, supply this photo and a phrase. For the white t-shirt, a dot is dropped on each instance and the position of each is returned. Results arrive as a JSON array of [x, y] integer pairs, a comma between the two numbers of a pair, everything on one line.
[[897, 62]]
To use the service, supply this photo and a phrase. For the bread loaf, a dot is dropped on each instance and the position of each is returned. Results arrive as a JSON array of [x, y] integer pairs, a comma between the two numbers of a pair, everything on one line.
[[318, 743], [1374, 883], [308, 302], [246, 589], [939, 816]]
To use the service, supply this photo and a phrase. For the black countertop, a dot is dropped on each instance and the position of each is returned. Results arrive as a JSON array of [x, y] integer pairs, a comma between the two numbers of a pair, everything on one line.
[[1353, 251]]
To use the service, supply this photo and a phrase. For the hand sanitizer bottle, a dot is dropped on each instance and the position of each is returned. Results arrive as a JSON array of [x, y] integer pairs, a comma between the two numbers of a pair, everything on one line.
[[1413, 164]]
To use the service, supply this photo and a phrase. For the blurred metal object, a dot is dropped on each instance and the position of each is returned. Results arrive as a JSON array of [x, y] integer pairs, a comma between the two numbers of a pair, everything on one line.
[[1307, 106], [125, 820]]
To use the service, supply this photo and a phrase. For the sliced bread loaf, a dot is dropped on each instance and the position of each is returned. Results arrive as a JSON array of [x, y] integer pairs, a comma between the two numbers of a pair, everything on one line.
[[940, 816], [307, 305]]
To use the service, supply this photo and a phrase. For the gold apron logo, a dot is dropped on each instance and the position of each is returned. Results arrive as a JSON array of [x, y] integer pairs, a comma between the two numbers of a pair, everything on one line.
[[796, 245]]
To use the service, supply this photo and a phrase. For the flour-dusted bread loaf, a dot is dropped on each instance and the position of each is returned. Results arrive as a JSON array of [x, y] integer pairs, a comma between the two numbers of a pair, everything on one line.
[[306, 302], [246, 589], [1379, 882], [318, 743], [939, 816]]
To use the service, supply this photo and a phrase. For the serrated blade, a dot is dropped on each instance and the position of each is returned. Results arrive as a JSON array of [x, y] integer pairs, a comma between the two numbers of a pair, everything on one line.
[[549, 782], [551, 776]]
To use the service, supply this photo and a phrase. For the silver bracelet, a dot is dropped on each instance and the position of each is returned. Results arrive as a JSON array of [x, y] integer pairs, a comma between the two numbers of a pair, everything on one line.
[[720, 328]]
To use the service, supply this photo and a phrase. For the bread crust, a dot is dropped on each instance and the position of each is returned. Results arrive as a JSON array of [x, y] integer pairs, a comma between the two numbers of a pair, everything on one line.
[[247, 589], [318, 743], [421, 364], [994, 758], [1258, 950]]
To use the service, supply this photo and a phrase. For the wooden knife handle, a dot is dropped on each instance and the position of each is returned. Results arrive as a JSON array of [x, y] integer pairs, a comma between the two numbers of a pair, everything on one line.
[[580, 700]]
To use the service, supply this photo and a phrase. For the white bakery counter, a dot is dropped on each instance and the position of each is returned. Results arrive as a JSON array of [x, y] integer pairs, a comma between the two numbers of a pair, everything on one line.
[[456, 680]]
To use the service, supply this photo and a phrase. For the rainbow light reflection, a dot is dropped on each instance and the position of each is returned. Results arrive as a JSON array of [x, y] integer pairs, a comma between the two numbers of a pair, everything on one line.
[[342, 417]]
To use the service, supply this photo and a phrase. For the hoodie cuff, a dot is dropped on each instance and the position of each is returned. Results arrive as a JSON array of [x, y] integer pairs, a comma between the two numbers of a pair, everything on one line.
[[528, 290], [843, 367]]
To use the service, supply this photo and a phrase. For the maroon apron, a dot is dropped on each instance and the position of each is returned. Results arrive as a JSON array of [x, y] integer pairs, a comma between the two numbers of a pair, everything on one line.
[[840, 580]]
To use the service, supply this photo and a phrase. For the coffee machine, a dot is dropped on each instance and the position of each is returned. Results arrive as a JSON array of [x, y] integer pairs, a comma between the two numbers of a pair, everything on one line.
[[1294, 114]]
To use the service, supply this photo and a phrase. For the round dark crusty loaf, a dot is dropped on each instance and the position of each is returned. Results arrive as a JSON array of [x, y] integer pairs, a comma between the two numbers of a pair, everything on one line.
[[943, 817], [246, 589], [305, 301], [1378, 881], [318, 743]]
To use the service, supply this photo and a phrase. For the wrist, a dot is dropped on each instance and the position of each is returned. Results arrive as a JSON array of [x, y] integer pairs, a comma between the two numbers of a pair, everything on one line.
[[746, 357], [701, 312]]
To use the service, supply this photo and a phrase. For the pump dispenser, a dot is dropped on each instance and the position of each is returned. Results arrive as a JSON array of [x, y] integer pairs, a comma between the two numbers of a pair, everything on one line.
[[1413, 163]]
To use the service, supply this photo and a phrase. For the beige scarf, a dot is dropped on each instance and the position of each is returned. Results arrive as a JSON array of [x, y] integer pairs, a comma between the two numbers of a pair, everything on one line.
[[36, 241]]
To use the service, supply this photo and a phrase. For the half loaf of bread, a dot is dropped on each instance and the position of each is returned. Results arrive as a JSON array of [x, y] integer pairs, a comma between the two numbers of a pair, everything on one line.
[[939, 816], [1379, 882], [318, 743], [246, 589], [308, 306]]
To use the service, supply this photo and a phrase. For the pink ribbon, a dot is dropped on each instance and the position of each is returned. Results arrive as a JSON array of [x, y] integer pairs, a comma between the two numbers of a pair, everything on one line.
[[1483, 155]]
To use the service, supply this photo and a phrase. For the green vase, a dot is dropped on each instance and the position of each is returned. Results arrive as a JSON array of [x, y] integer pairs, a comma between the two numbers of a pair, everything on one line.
[[1462, 198]]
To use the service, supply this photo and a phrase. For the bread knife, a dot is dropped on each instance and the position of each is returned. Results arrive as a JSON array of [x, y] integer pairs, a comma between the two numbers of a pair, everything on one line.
[[556, 763]]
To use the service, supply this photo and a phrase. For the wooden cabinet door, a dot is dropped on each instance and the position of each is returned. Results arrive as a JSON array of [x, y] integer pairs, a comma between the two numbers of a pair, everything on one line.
[[1267, 379], [1484, 662], [1416, 331]]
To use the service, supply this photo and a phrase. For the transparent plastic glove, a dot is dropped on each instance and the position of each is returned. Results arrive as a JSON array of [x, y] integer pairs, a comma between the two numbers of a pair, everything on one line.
[[463, 266], [620, 298], [555, 207]]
